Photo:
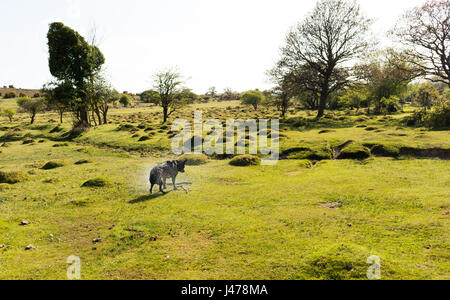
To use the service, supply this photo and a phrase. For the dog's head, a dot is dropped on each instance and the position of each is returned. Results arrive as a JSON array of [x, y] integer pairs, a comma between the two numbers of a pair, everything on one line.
[[181, 164]]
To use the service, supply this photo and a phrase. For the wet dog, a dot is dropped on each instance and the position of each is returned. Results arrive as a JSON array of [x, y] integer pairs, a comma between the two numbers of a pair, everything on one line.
[[161, 172]]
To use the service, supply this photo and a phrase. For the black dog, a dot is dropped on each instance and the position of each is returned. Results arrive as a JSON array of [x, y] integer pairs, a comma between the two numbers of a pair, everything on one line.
[[169, 169]]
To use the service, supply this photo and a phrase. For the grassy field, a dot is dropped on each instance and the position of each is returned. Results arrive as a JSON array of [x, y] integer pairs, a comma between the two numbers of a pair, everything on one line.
[[289, 221]]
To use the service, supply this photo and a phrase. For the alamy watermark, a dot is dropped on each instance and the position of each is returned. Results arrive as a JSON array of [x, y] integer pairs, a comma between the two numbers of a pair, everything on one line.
[[234, 139], [74, 269], [374, 271]]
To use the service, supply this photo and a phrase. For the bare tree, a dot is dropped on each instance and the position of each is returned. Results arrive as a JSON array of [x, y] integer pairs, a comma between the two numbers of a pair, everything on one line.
[[330, 36], [425, 31], [168, 85]]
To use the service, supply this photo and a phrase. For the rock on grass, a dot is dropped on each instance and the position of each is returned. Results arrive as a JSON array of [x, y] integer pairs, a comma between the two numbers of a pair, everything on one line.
[[53, 165], [195, 159], [96, 182], [245, 161], [12, 177]]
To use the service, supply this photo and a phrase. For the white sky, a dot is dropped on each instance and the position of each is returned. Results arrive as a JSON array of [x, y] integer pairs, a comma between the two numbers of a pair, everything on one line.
[[212, 43]]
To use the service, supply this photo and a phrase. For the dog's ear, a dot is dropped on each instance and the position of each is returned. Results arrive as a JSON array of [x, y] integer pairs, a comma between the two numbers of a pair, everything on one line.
[[184, 162]]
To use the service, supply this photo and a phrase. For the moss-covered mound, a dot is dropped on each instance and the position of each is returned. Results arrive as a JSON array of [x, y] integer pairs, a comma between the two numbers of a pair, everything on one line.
[[386, 150], [306, 164], [195, 159], [28, 141], [96, 182], [12, 177], [310, 153], [53, 165], [354, 151], [83, 162], [245, 161], [339, 262], [144, 138], [61, 145]]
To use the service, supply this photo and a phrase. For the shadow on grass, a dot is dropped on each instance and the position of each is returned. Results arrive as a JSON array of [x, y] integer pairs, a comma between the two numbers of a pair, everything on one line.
[[147, 198]]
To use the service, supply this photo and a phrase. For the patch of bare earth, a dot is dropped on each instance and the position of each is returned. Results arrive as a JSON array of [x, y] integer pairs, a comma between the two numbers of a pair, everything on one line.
[[332, 205]]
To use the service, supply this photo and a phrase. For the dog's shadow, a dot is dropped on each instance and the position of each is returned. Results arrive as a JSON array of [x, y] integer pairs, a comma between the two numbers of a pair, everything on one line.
[[157, 195], [147, 198]]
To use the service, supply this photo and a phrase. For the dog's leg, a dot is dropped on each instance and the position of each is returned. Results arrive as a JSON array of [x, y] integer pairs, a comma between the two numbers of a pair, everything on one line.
[[161, 189], [174, 179], [165, 183], [151, 189]]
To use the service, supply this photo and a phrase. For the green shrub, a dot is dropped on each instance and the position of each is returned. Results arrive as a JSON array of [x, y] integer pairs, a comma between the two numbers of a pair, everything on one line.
[[195, 159], [10, 95], [245, 161], [11, 177], [125, 100], [97, 182], [354, 151], [53, 165], [439, 117]]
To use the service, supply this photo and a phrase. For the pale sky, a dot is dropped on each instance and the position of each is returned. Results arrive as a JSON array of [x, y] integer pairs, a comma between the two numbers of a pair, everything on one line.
[[212, 43]]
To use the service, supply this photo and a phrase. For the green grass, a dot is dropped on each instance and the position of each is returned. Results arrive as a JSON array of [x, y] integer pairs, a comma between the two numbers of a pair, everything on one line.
[[256, 222]]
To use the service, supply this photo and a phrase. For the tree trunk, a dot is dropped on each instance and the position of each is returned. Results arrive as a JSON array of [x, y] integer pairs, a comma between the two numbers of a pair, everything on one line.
[[322, 103], [284, 107], [33, 116], [166, 114], [84, 118], [61, 116], [105, 115]]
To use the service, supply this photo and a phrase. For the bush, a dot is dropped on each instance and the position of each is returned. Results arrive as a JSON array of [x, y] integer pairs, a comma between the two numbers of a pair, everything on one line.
[[10, 95], [8, 113], [354, 151], [195, 159], [253, 98], [125, 100], [53, 165], [97, 182], [439, 117], [245, 161], [11, 177]]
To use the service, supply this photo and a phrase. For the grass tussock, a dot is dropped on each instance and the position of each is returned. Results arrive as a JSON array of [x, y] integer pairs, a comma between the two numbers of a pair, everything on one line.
[[96, 183], [245, 161], [53, 165], [340, 262], [195, 159], [12, 177]]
